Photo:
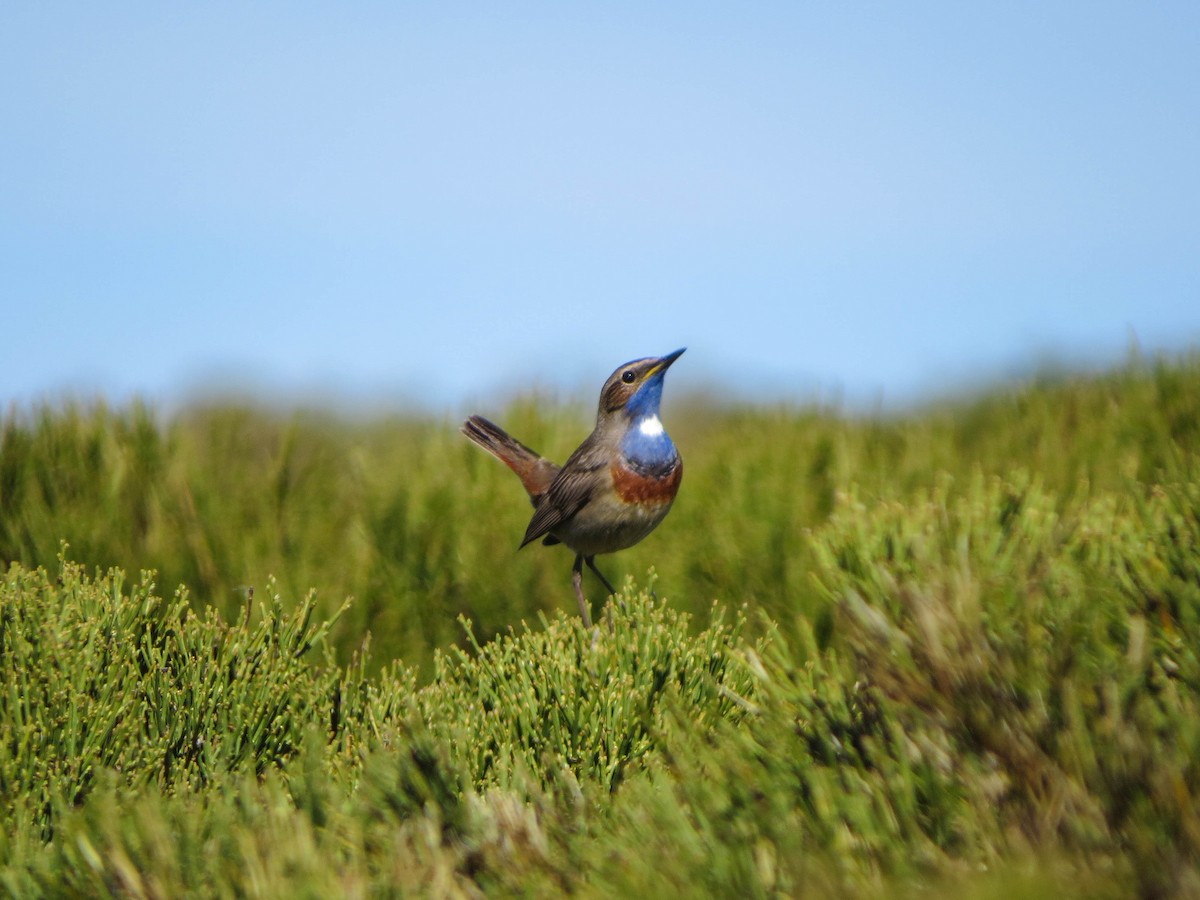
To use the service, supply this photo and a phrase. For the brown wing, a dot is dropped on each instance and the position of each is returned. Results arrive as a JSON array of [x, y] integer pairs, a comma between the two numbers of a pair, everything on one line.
[[570, 491]]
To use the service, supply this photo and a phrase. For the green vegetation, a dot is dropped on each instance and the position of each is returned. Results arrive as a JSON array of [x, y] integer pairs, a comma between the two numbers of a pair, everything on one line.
[[954, 653]]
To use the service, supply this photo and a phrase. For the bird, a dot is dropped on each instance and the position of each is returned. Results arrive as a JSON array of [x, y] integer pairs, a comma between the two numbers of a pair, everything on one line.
[[615, 488]]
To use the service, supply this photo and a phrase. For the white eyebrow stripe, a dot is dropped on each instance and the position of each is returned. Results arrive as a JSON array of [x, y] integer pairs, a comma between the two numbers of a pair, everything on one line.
[[651, 426]]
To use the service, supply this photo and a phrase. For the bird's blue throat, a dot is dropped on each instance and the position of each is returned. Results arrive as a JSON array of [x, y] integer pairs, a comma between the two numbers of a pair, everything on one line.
[[646, 443]]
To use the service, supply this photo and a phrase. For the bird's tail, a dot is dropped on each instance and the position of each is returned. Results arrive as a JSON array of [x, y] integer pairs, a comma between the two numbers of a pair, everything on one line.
[[535, 472]]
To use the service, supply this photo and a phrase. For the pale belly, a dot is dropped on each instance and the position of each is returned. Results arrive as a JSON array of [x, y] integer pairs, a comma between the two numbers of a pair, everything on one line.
[[608, 524]]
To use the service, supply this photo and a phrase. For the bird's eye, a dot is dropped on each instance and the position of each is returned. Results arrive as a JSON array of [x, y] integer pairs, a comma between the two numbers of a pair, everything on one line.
[[627, 376]]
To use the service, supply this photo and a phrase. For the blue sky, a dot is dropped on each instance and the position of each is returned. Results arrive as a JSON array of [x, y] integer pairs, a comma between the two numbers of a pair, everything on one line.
[[381, 203]]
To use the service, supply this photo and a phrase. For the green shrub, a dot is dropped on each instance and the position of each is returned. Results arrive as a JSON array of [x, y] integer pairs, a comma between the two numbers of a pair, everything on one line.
[[96, 676], [971, 668], [1056, 647], [150, 751], [566, 698]]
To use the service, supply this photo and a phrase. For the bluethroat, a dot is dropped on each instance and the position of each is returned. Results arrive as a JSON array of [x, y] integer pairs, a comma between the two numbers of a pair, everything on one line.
[[613, 490]]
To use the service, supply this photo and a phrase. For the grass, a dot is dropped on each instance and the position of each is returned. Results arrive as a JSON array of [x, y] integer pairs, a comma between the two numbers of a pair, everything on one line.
[[952, 653]]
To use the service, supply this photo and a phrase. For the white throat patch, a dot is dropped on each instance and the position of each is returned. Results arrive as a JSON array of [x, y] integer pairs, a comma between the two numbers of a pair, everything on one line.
[[651, 426]]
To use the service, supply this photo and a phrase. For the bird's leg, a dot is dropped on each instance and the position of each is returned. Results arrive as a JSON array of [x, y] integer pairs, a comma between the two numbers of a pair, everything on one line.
[[591, 561], [577, 581]]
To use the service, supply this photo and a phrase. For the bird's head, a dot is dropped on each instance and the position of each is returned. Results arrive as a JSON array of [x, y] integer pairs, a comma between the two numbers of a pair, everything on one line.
[[636, 387]]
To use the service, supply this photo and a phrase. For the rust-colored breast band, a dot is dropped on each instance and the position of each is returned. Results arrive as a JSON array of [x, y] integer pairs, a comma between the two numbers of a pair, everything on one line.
[[633, 487]]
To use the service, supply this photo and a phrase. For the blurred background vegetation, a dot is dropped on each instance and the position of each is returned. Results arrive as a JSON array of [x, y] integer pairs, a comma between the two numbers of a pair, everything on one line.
[[952, 651], [418, 526]]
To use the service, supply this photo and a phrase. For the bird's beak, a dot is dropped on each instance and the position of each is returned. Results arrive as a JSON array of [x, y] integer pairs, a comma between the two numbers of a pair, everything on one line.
[[665, 362]]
